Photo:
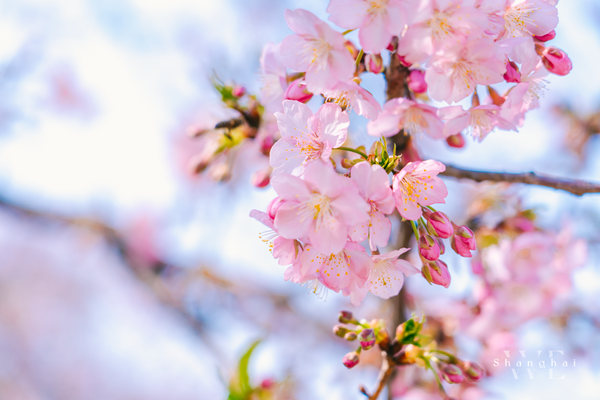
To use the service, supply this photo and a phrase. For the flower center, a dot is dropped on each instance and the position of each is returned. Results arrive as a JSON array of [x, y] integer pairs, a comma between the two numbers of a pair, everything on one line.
[[440, 27], [517, 17], [414, 122], [481, 122], [377, 7], [316, 51]]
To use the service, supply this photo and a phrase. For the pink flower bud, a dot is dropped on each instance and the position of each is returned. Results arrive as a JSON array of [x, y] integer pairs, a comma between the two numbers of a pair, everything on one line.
[[429, 248], [267, 383], [350, 360], [439, 224], [547, 37], [512, 73], [416, 81], [390, 47], [556, 61], [274, 206], [471, 371], [367, 338], [297, 91], [403, 61], [350, 336], [238, 91], [452, 374], [262, 178], [457, 141], [463, 241], [374, 63], [440, 243], [436, 272], [346, 317]]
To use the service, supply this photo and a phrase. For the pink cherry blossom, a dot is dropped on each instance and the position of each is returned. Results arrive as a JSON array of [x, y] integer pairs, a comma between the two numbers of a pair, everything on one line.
[[413, 117], [322, 207], [525, 95], [387, 275], [351, 96], [522, 17], [436, 24], [297, 91], [337, 270], [480, 120], [455, 73], [377, 20], [306, 137], [417, 185], [284, 250], [317, 50], [374, 185], [273, 77]]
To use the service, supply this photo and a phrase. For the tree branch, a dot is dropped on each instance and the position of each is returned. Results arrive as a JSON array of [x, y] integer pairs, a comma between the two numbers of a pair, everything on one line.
[[387, 369], [576, 187]]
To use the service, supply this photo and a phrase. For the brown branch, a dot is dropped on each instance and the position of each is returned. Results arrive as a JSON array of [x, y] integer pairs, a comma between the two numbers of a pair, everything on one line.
[[387, 369], [576, 187]]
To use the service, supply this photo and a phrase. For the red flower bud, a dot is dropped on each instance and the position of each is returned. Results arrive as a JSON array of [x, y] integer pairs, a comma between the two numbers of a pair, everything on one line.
[[439, 224], [457, 141], [556, 61], [262, 178], [403, 61], [463, 241], [416, 81], [436, 272], [350, 360], [346, 317], [512, 73], [429, 248], [238, 91], [367, 338]]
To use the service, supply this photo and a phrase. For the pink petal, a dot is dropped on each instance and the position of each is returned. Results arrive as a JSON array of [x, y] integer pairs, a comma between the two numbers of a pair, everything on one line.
[[292, 55], [381, 228], [289, 223], [373, 36], [329, 236], [302, 22], [457, 125], [290, 188], [285, 251], [347, 14], [334, 123], [387, 124]]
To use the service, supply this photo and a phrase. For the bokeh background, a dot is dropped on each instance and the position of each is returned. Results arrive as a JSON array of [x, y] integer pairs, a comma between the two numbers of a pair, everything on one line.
[[123, 276]]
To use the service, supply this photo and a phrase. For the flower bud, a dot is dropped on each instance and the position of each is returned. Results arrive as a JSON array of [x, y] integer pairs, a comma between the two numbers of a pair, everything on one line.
[[403, 61], [457, 141], [297, 91], [512, 73], [340, 330], [346, 317], [436, 272], [367, 338], [268, 383], [547, 37], [350, 360], [471, 371], [350, 336], [390, 47], [463, 241], [416, 81], [497, 100], [440, 243], [274, 206], [351, 48], [374, 63], [262, 178], [429, 248], [238, 91], [452, 374], [557, 61], [439, 224]]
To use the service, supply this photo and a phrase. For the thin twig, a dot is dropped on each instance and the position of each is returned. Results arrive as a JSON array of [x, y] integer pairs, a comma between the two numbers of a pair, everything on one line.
[[387, 368], [576, 187]]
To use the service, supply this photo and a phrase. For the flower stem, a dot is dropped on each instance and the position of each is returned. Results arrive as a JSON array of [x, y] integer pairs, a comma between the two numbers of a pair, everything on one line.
[[348, 31], [413, 226], [360, 54], [363, 155]]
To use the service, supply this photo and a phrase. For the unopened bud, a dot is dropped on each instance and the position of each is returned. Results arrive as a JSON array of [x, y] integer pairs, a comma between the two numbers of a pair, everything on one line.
[[457, 141], [439, 224], [452, 374], [340, 331], [346, 317], [512, 73], [416, 81], [547, 37], [262, 178], [475, 100], [367, 338], [350, 360], [346, 163], [429, 248], [463, 241], [350, 336], [557, 61], [351, 48], [390, 47], [374, 63], [297, 91], [436, 272], [238, 91], [267, 383], [274, 206], [471, 371]]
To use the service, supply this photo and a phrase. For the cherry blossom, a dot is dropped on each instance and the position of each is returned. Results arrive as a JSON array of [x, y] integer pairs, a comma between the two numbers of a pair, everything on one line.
[[351, 96], [480, 120], [273, 77], [306, 137], [317, 50], [417, 185], [414, 118], [322, 207], [387, 276], [377, 20], [374, 185]]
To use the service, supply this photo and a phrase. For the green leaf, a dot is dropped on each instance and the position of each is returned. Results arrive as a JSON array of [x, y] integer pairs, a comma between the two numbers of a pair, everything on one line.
[[244, 378]]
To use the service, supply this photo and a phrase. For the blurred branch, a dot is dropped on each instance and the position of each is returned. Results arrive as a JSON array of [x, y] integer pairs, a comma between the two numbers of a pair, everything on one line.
[[576, 187]]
